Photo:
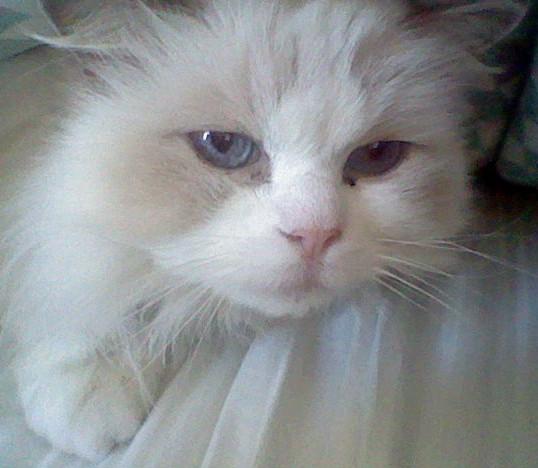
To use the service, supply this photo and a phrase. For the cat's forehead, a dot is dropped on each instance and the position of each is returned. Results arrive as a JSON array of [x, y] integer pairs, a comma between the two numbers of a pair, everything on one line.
[[309, 71], [297, 77], [273, 62], [283, 46]]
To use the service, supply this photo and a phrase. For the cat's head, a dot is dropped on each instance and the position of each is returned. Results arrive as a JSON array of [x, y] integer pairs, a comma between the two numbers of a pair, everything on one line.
[[279, 153]]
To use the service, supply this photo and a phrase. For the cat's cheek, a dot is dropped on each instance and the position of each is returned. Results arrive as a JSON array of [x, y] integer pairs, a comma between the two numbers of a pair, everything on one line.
[[349, 265], [418, 203], [237, 247]]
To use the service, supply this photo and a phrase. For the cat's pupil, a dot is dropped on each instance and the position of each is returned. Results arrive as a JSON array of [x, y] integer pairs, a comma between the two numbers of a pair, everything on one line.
[[377, 150], [221, 141]]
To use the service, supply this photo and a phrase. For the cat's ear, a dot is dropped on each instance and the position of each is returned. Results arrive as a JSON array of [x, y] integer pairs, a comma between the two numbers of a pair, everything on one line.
[[112, 32], [477, 24]]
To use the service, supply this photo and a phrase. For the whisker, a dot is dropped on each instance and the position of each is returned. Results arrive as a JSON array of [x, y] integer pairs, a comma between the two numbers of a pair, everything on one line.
[[194, 295], [199, 338], [170, 340], [206, 329], [490, 258], [199, 263], [153, 302], [423, 281], [455, 247], [203, 238], [399, 293], [497, 233], [417, 288], [418, 265]]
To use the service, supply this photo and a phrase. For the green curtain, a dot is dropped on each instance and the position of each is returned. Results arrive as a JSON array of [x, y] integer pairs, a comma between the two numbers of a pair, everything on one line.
[[518, 157], [504, 127]]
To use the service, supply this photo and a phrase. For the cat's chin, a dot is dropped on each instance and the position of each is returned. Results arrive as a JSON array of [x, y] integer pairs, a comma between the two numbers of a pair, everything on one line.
[[293, 302], [293, 297]]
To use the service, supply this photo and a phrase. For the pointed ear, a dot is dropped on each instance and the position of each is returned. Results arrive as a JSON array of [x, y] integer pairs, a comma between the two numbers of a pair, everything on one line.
[[477, 24]]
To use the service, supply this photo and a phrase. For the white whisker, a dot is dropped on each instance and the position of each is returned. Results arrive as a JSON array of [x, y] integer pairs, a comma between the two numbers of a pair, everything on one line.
[[168, 341], [423, 281], [417, 288], [455, 247], [490, 258], [417, 265], [399, 293], [209, 322]]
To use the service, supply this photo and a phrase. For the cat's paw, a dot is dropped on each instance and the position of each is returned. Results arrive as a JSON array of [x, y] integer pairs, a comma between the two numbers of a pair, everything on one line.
[[84, 410]]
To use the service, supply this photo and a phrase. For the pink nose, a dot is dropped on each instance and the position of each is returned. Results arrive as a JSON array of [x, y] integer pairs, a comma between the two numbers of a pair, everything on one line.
[[314, 242]]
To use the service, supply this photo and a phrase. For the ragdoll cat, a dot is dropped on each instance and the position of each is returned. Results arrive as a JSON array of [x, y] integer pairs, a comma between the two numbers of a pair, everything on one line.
[[229, 160]]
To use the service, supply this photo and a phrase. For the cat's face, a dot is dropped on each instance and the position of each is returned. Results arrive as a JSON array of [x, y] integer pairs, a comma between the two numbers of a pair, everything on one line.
[[270, 153]]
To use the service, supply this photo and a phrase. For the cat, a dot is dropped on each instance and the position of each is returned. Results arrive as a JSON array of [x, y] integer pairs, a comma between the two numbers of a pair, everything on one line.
[[228, 160]]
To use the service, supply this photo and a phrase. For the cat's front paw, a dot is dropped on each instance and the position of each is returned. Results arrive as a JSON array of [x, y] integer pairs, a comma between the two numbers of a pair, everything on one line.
[[83, 410]]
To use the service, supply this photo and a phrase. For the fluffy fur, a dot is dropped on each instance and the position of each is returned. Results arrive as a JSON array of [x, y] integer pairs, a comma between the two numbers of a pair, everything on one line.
[[120, 234]]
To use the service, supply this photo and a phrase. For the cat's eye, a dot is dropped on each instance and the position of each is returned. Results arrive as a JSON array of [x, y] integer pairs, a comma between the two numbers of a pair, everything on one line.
[[375, 159], [225, 150]]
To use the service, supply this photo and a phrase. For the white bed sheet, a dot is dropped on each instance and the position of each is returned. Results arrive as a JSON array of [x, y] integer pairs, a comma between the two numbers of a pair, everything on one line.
[[374, 384]]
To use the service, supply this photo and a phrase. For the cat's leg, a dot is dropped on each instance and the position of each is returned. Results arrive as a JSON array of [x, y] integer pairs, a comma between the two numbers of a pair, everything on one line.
[[82, 403], [71, 297]]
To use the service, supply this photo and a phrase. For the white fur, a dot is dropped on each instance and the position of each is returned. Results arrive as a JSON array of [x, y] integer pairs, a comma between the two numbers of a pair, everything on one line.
[[123, 235], [81, 404]]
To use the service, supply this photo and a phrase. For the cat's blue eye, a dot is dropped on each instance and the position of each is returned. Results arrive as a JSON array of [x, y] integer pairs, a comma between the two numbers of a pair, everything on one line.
[[225, 150], [375, 159]]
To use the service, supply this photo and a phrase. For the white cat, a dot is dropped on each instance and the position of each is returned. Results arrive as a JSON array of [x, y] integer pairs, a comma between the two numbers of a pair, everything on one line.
[[233, 160]]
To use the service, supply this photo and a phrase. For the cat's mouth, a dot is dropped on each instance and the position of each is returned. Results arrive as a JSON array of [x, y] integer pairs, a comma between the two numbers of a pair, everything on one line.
[[296, 285], [302, 287], [306, 284]]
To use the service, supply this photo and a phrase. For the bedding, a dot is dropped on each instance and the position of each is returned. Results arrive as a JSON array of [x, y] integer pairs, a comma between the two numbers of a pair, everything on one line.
[[13, 14]]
